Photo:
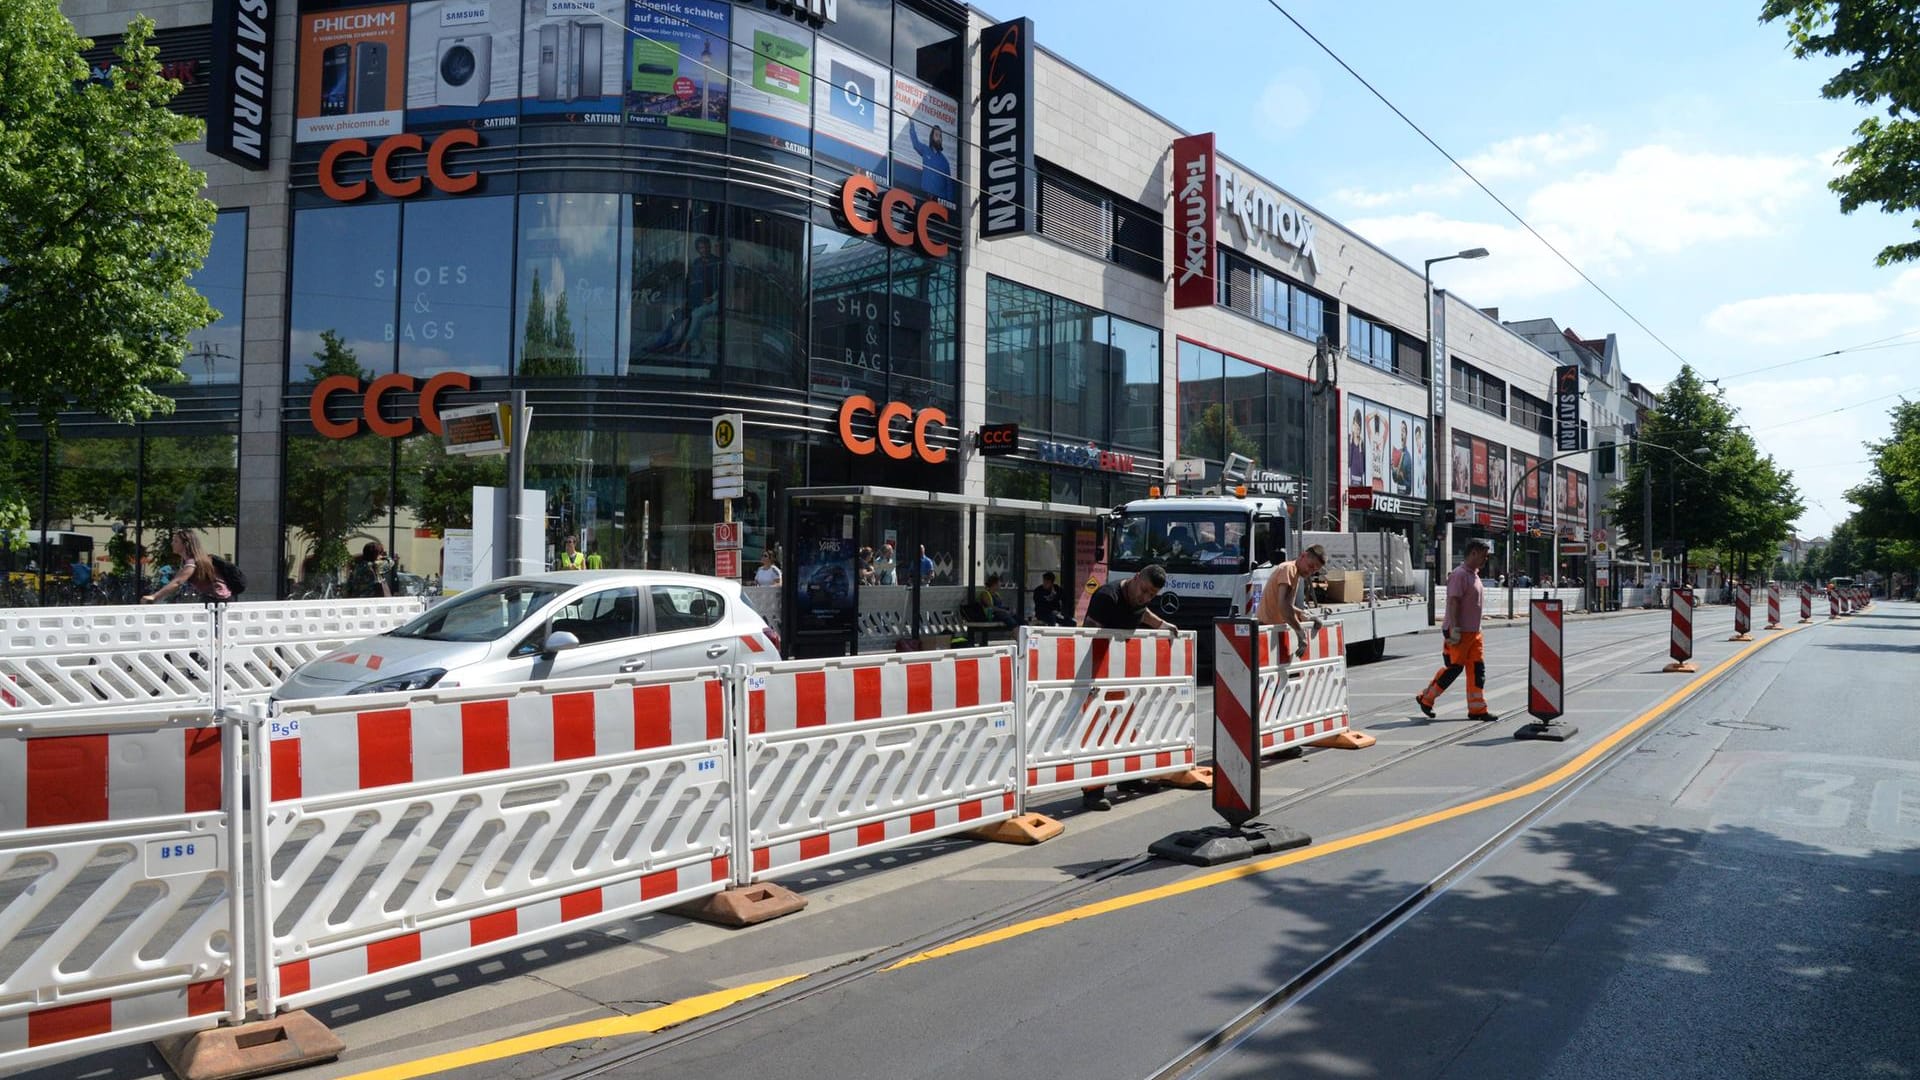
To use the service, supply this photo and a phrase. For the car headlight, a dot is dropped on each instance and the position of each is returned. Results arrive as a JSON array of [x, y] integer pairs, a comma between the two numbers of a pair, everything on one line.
[[412, 680]]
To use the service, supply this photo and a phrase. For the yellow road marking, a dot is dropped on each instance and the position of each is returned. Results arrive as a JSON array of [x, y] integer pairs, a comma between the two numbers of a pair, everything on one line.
[[1348, 843], [641, 1023], [692, 1008]]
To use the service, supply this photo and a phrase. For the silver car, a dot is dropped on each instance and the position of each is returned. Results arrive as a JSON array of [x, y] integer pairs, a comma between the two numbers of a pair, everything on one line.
[[549, 626]]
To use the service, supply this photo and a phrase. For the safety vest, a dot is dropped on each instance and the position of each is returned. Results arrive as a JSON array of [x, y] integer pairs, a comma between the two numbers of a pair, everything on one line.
[[572, 561]]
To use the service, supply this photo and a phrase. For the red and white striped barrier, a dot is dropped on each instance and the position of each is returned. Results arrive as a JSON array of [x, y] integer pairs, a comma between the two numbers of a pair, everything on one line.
[[903, 747], [1833, 604], [1680, 643], [1546, 682], [1773, 605], [1302, 699], [1806, 603], [1742, 613], [1105, 705], [401, 834], [117, 843], [1236, 733]]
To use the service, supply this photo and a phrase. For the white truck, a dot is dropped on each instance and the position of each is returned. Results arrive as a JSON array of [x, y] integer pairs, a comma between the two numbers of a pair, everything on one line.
[[1218, 550]]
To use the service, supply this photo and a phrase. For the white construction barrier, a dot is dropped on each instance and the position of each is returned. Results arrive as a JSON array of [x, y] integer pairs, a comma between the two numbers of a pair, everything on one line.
[[1102, 706], [118, 857], [1301, 699], [78, 659], [400, 834], [846, 756]]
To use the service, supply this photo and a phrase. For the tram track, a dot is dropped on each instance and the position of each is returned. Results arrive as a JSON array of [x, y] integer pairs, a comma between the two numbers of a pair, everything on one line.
[[1632, 648]]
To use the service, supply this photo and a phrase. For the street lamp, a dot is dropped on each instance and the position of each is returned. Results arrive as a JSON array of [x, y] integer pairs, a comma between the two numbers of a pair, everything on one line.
[[1436, 389]]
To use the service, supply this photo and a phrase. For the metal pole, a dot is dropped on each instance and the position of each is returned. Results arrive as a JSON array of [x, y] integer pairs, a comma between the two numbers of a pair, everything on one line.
[[1434, 362], [517, 482], [1646, 516]]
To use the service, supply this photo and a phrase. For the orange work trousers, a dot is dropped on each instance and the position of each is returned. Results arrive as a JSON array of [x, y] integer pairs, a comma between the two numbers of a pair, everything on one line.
[[1468, 656]]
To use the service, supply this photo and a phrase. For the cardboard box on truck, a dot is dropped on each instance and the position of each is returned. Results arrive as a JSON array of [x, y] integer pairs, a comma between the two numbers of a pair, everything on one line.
[[1346, 586]]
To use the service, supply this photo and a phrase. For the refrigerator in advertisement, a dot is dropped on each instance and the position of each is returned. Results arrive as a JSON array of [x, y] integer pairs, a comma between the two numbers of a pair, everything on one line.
[[570, 64]]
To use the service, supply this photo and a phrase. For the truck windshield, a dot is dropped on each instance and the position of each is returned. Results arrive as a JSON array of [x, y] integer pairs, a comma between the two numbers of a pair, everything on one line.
[[1183, 541]]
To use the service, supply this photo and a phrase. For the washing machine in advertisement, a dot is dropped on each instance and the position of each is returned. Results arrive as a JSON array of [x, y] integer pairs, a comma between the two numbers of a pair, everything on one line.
[[463, 66]]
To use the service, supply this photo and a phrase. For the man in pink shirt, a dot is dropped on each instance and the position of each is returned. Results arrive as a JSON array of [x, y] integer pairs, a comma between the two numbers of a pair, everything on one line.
[[1463, 649]]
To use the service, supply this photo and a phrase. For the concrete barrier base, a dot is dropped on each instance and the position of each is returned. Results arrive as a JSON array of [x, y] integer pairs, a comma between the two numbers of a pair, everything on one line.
[[292, 1040], [1020, 829], [743, 906], [1197, 778], [1221, 843], [1682, 666]]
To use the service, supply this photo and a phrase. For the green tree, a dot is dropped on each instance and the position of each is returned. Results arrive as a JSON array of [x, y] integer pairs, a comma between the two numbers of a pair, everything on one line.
[[438, 486], [103, 223], [1880, 39], [1889, 499], [1215, 430], [546, 345], [334, 487]]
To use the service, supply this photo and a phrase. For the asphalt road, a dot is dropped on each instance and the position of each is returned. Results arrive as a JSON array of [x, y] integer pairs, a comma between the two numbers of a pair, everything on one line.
[[1172, 954]]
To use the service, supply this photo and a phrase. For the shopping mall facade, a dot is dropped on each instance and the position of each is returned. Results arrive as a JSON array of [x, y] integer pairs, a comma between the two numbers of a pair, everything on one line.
[[815, 215]]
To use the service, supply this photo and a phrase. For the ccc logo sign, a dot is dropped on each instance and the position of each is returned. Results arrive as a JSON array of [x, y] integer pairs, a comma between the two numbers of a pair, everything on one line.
[[857, 198], [383, 178], [429, 411], [884, 417]]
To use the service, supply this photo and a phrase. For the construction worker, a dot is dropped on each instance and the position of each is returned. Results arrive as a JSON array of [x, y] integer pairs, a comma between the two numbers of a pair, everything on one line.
[[1463, 649], [1280, 597]]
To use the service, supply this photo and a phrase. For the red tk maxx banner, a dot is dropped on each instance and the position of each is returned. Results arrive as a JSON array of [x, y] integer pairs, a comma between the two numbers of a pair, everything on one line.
[[1193, 221]]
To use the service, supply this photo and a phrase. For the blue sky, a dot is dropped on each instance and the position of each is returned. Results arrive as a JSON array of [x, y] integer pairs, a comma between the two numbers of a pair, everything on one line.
[[1675, 151]]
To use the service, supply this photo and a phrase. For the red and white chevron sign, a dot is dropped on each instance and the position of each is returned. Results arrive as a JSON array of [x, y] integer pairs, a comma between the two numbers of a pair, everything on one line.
[[1773, 605], [1236, 733], [1546, 686], [1681, 647], [1742, 609], [1806, 603]]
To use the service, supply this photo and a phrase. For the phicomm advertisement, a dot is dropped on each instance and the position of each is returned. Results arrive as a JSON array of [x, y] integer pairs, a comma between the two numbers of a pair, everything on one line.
[[772, 80], [463, 62], [352, 74], [677, 64], [926, 140], [571, 62]]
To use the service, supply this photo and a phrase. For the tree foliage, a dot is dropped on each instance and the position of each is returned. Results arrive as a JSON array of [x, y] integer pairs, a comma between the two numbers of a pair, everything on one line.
[[101, 223], [334, 487], [1714, 492], [1880, 40]]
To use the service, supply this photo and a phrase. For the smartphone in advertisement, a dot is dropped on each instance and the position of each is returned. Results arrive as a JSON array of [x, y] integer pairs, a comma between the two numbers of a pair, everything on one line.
[[370, 77], [334, 66]]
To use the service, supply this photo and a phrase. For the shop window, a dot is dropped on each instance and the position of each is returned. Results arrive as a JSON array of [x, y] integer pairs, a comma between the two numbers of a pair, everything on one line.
[[336, 496], [455, 289], [678, 277], [213, 351], [1016, 354], [852, 310], [925, 298], [344, 261], [1286, 434], [1244, 407], [1135, 362], [567, 313], [1078, 362], [1063, 368], [1202, 409], [766, 273]]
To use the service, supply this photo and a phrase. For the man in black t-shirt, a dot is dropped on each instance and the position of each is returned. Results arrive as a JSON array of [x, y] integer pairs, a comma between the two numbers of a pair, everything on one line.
[[1122, 605], [1050, 602]]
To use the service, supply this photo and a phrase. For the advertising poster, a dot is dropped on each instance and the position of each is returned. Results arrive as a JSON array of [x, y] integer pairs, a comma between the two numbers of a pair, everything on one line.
[[571, 61], [1529, 497], [1376, 447], [1357, 443], [926, 140], [1480, 468], [826, 578], [1497, 474], [1400, 454], [1419, 457], [772, 80], [463, 60], [1462, 465], [851, 119], [677, 65], [1089, 572], [1573, 498], [352, 74]]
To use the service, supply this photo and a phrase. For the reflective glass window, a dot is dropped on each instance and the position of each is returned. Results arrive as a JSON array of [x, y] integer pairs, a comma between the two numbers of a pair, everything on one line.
[[676, 287], [1244, 403], [213, 351], [1202, 415], [1135, 359], [1016, 354], [455, 289], [766, 275], [851, 314], [925, 302], [866, 25], [925, 50], [1080, 393], [568, 313], [345, 265]]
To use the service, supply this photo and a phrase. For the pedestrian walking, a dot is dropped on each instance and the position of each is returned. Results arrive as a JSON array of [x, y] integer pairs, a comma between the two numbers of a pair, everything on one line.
[[1280, 597], [925, 566], [1463, 648], [196, 571], [769, 571], [1123, 605]]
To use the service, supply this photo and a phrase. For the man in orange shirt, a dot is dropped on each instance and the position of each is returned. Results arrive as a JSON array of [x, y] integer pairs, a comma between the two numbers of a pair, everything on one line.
[[1463, 649], [1280, 598]]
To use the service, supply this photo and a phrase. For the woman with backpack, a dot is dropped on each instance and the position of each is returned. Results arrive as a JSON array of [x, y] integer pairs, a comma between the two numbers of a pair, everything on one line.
[[196, 571]]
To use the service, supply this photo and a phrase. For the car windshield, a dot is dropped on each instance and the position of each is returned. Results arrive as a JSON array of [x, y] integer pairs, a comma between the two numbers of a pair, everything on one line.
[[485, 614], [1190, 541]]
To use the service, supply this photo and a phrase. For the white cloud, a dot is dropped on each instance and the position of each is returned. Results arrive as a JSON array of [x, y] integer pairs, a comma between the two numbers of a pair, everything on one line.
[[1519, 267], [1289, 100], [1823, 452], [1794, 317], [1524, 155]]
